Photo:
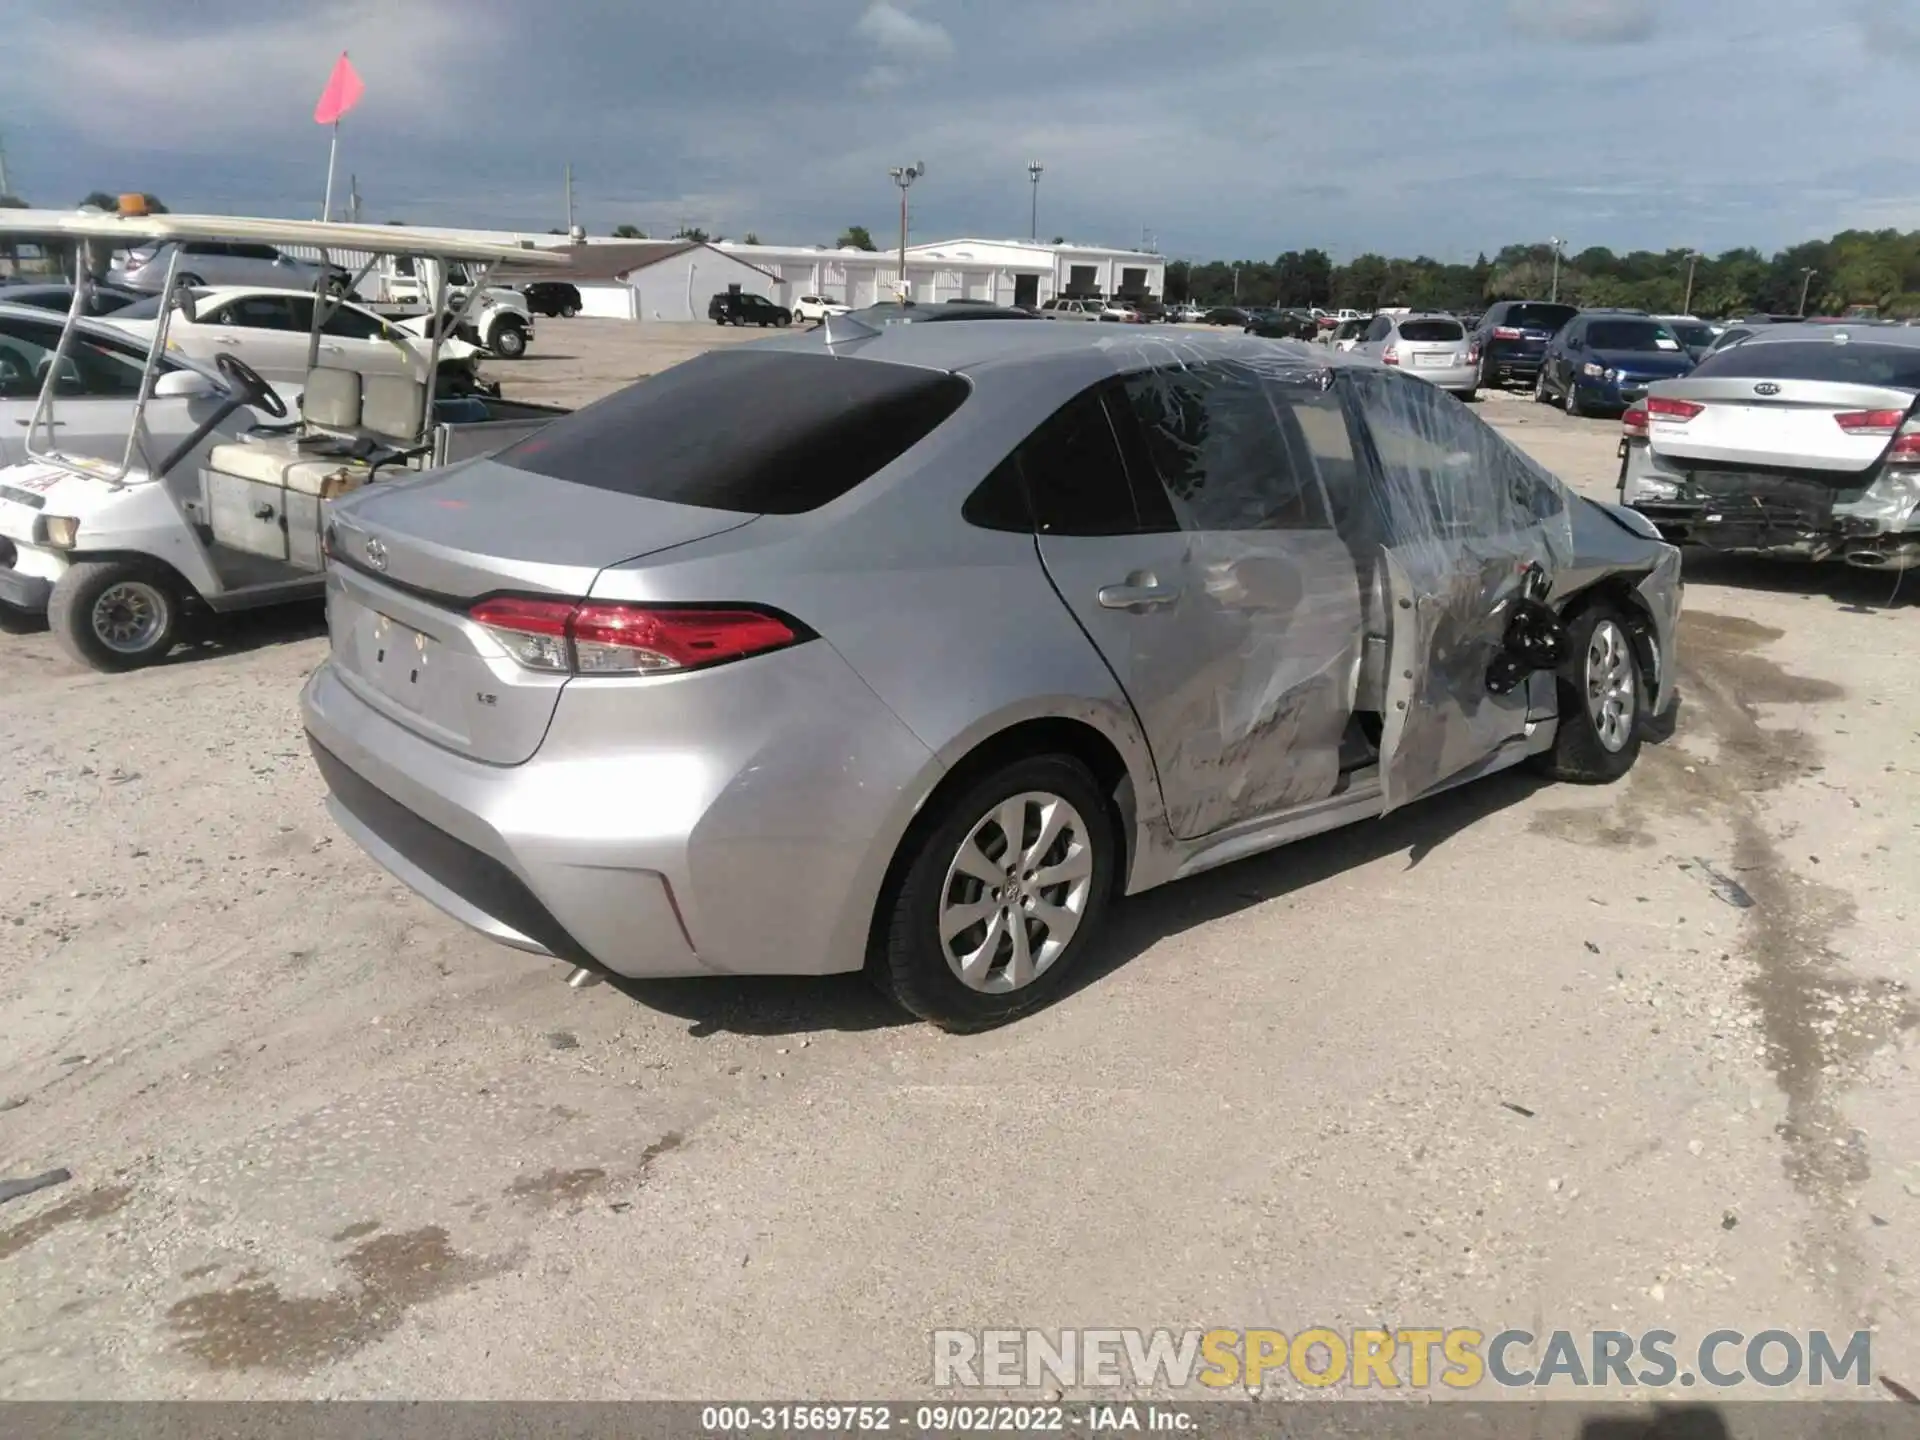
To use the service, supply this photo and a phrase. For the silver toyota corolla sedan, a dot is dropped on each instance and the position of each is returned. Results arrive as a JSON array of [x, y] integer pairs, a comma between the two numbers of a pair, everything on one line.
[[914, 650]]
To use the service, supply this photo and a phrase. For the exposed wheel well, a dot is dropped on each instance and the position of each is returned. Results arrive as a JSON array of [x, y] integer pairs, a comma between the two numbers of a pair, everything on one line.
[[1052, 736], [1618, 591], [135, 557]]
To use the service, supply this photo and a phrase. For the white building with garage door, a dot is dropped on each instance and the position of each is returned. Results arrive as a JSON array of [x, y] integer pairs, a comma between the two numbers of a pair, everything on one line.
[[1006, 272], [660, 279]]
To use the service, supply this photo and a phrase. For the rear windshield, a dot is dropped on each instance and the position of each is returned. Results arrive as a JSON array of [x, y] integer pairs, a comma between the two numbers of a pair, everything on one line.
[[1630, 335], [774, 432], [1538, 316], [1852, 363], [1432, 330], [1694, 334]]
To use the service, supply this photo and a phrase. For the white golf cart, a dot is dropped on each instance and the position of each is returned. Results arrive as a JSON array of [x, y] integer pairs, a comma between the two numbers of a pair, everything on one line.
[[112, 551]]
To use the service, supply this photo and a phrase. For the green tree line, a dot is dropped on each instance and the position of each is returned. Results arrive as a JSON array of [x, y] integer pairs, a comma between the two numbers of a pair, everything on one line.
[[1857, 270]]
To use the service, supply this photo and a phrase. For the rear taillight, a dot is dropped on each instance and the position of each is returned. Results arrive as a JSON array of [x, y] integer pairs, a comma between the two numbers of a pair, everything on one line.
[[1473, 353], [1663, 407], [1870, 422], [1507, 332], [1904, 451], [1390, 356], [1633, 424], [566, 637]]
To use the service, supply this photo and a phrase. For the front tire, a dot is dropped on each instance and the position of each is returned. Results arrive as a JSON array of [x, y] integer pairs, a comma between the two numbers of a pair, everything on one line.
[[1574, 408], [1603, 699], [1540, 386], [985, 924], [509, 340], [115, 615]]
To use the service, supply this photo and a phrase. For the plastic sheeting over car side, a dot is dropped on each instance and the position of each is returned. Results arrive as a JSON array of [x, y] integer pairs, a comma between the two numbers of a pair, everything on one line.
[[1434, 522]]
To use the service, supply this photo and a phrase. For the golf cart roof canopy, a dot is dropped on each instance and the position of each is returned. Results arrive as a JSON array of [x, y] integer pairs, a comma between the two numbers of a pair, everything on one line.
[[126, 230]]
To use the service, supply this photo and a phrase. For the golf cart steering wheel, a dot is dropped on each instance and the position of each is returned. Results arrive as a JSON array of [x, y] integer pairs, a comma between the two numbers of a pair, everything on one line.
[[249, 387]]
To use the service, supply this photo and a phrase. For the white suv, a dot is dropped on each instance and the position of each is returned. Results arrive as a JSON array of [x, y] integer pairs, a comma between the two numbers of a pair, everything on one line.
[[817, 307], [1062, 308]]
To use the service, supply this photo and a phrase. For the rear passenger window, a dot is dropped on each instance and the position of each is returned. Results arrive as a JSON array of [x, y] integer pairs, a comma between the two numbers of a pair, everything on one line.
[[770, 432], [1225, 456], [1074, 477]]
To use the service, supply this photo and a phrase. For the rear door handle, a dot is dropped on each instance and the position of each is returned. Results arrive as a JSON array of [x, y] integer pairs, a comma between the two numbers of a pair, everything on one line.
[[226, 340], [1140, 592]]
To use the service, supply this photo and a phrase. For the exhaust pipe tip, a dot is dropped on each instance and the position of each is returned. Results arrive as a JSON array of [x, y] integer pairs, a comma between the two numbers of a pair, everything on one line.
[[1867, 559], [583, 978]]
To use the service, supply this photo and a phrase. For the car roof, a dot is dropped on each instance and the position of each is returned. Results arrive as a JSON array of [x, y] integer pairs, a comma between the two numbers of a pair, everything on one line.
[[1831, 334], [1087, 349]]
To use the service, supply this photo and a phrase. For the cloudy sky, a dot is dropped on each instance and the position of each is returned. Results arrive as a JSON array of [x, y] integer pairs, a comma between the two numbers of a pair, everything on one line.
[[1221, 127]]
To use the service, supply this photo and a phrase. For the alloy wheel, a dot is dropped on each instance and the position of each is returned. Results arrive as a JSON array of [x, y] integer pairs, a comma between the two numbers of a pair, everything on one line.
[[1016, 892], [130, 616], [1612, 686]]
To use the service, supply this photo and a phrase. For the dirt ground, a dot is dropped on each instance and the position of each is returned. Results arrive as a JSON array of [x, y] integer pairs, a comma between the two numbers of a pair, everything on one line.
[[1505, 1059]]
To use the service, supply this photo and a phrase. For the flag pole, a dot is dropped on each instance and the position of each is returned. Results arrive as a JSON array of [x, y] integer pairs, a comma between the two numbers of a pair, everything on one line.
[[333, 153]]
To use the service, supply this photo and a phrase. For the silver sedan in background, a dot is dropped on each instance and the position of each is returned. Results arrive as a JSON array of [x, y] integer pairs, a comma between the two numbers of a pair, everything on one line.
[[913, 651], [1436, 348]]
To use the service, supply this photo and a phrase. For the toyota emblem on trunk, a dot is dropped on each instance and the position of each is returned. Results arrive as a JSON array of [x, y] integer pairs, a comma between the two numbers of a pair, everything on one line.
[[376, 555], [1766, 387]]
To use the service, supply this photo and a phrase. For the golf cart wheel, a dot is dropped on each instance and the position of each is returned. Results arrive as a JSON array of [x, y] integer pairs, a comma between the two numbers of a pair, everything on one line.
[[1602, 690], [568, 311], [1000, 892], [509, 340], [115, 615]]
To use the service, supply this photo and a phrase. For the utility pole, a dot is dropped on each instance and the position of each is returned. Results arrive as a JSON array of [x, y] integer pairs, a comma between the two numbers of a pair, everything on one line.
[[1693, 259], [1556, 242], [1034, 167], [5, 188], [1236, 282], [1806, 284], [903, 176], [353, 199], [569, 200]]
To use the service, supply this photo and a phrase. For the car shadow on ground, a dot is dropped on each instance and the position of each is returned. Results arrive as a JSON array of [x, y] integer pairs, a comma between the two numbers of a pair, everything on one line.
[[210, 634], [1850, 587], [765, 1006]]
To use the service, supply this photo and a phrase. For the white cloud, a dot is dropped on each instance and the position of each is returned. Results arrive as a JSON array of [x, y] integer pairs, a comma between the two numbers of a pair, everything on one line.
[[1590, 22], [890, 27], [906, 44]]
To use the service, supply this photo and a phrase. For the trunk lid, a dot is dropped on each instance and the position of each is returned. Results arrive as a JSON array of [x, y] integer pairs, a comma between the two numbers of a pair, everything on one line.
[[409, 559], [1780, 424]]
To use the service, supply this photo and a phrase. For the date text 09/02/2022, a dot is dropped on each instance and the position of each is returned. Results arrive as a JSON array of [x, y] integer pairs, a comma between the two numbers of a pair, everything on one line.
[[946, 1418]]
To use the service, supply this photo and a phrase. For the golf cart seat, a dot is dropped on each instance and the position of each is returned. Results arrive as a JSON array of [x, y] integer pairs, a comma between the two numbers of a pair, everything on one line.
[[353, 421]]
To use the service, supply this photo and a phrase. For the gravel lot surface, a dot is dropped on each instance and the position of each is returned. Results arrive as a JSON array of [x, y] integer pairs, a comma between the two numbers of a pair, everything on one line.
[[1505, 1059]]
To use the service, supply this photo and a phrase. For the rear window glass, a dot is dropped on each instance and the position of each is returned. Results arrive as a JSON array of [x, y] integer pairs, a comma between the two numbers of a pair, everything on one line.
[[1538, 317], [1630, 335], [775, 433], [1432, 330], [1695, 334], [1852, 363]]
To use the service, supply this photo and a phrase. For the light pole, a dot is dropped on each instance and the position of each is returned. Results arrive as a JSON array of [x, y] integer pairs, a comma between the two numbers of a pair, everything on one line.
[[1693, 259], [1806, 284], [1034, 167], [1236, 284], [903, 176], [1556, 242]]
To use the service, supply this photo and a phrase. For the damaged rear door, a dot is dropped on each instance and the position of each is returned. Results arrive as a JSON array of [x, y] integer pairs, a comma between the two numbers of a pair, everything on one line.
[[1455, 521], [1219, 592]]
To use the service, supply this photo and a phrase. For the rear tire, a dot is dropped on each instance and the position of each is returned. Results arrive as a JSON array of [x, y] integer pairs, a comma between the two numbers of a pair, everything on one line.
[[1603, 701], [115, 615], [567, 312], [957, 869]]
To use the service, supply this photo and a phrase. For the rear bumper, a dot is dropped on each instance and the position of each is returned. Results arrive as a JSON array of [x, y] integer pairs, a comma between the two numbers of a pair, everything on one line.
[[1498, 362], [748, 833], [1456, 378], [1876, 527]]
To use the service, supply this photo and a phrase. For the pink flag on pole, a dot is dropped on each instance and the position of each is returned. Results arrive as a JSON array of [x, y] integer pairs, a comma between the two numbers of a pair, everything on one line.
[[343, 92]]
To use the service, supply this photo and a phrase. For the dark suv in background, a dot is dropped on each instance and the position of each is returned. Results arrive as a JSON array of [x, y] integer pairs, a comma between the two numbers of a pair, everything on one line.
[[552, 297], [740, 308], [1512, 337]]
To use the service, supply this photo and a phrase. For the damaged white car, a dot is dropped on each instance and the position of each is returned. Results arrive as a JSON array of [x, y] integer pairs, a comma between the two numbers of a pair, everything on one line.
[[1798, 442]]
